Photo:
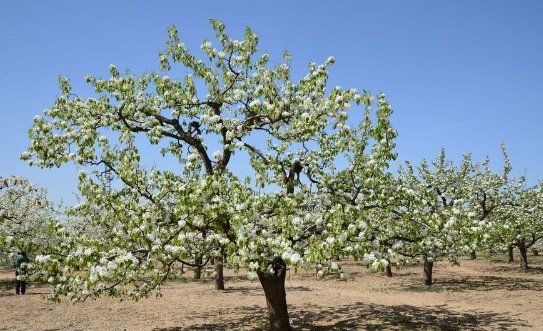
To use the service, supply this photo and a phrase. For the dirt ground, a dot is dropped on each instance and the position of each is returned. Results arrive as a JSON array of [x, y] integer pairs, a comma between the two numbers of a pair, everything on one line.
[[480, 294]]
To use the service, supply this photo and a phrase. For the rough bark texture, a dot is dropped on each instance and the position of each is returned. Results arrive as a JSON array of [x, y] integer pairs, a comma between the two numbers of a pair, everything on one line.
[[510, 253], [219, 276], [389, 271], [428, 266], [198, 268], [473, 255], [523, 255], [276, 300]]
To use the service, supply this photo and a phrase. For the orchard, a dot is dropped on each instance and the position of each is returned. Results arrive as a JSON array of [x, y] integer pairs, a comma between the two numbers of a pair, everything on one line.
[[323, 182]]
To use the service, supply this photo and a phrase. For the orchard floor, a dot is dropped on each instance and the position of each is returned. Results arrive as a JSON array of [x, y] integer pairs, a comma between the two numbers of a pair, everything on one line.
[[480, 294]]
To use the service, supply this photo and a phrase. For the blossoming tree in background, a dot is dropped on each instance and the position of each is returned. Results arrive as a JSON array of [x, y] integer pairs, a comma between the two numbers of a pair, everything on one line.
[[517, 222], [287, 211], [27, 220], [428, 217], [508, 210]]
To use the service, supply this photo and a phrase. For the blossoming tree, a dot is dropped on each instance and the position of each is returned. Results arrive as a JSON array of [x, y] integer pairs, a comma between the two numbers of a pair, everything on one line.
[[427, 218], [284, 213], [517, 221], [26, 220], [509, 211]]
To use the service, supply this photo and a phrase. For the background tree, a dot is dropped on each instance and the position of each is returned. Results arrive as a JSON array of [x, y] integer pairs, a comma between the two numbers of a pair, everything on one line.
[[428, 217], [27, 220], [518, 220], [485, 193], [509, 211]]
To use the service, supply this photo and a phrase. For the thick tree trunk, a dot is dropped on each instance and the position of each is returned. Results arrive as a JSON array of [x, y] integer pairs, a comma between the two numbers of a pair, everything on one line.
[[523, 255], [428, 266], [510, 253], [389, 271], [473, 255], [276, 300], [198, 267], [219, 275]]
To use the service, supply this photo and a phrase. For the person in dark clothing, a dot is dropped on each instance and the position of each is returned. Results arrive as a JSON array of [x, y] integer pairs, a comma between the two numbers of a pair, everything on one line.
[[20, 272]]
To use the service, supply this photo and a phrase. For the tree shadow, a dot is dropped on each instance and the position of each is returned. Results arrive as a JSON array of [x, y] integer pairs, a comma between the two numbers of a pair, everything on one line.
[[400, 273], [7, 284], [534, 270], [488, 283], [503, 259], [400, 317], [368, 317], [249, 290], [245, 290], [517, 269], [251, 318], [7, 288], [227, 279]]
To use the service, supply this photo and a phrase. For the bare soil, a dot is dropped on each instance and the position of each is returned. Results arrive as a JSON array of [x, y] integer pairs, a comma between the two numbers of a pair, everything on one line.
[[477, 295]]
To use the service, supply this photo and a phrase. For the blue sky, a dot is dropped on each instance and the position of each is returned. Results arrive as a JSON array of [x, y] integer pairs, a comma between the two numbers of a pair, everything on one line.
[[460, 74]]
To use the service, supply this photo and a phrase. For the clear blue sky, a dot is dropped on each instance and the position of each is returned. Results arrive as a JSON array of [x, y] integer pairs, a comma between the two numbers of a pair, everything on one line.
[[460, 74]]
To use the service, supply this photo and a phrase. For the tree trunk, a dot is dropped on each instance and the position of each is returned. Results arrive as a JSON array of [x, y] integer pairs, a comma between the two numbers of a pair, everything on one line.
[[510, 253], [219, 276], [428, 266], [473, 255], [198, 267], [389, 271], [276, 300], [523, 255]]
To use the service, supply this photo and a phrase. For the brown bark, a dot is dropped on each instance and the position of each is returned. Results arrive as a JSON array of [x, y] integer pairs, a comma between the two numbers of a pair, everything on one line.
[[510, 253], [473, 255], [389, 271], [276, 300], [219, 275], [198, 267], [428, 266], [523, 255]]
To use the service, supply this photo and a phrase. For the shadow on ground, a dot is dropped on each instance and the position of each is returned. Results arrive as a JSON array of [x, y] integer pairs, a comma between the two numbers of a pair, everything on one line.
[[485, 283], [516, 269], [248, 290], [368, 317], [7, 284], [7, 288]]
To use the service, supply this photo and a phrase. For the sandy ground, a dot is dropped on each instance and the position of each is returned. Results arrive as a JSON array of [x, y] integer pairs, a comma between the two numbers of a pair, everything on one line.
[[481, 294]]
